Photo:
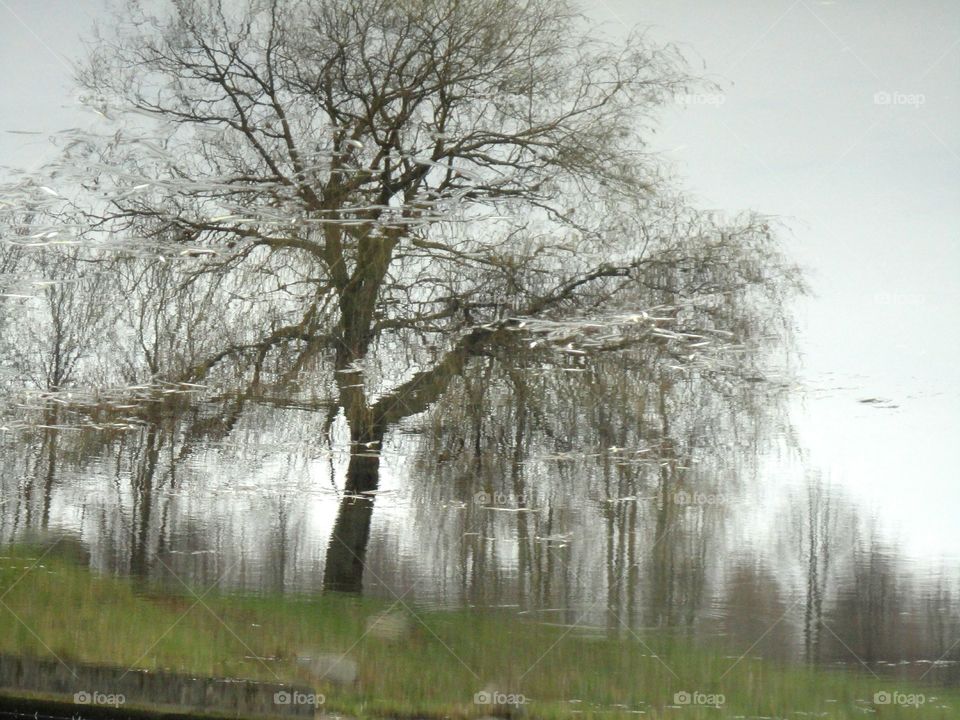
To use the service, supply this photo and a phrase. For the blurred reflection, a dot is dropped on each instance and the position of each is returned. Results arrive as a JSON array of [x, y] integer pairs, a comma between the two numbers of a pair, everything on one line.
[[610, 491], [516, 486]]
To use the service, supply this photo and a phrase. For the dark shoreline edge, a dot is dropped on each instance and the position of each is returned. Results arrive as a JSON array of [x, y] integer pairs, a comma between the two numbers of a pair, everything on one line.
[[33, 687]]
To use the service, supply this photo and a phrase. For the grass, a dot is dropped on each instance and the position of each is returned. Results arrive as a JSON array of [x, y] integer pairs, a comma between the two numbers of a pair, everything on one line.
[[55, 607]]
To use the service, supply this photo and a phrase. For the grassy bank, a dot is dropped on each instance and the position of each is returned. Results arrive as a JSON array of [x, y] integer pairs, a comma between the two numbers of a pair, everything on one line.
[[431, 665]]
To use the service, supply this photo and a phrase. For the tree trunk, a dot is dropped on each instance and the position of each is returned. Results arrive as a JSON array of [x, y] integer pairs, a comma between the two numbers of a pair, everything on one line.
[[343, 571]]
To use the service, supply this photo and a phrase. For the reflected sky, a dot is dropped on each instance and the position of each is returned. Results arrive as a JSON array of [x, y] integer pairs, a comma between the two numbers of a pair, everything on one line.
[[820, 123], [870, 189]]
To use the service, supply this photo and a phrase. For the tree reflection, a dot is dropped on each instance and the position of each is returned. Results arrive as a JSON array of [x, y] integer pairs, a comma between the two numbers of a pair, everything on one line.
[[597, 494], [580, 456]]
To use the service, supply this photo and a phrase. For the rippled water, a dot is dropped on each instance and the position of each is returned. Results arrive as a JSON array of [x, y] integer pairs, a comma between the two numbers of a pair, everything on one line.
[[706, 521]]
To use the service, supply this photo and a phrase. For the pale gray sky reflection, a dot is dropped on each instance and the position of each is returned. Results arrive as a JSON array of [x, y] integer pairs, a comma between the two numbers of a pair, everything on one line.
[[842, 118]]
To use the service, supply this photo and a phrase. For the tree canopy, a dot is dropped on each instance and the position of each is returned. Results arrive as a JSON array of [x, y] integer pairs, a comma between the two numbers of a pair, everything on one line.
[[381, 189]]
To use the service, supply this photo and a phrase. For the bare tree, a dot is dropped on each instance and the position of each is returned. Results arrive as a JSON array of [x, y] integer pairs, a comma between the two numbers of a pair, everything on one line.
[[387, 190], [418, 171], [55, 316]]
